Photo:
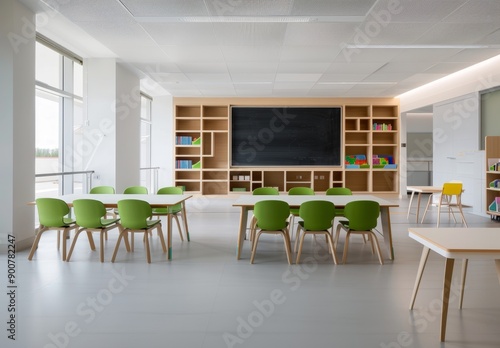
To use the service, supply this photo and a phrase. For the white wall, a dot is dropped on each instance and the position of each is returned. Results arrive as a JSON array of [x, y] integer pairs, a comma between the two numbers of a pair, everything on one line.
[[99, 142], [17, 124], [128, 129], [162, 142]]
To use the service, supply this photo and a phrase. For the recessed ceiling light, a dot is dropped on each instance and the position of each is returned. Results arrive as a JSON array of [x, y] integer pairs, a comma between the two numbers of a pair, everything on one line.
[[421, 46], [250, 19], [357, 83]]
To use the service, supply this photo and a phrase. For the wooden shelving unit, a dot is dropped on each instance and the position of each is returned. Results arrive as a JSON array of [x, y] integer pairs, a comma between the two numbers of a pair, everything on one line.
[[492, 151], [209, 119]]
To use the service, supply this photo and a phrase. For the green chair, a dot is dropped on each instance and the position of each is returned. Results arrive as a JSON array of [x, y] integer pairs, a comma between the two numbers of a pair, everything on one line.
[[317, 218], [135, 216], [339, 191], [303, 191], [136, 190], [263, 191], [90, 217], [175, 211], [272, 218], [102, 190], [52, 214], [362, 217]]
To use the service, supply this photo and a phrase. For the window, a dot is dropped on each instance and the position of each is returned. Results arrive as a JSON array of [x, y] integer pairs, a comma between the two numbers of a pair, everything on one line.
[[59, 120], [147, 173]]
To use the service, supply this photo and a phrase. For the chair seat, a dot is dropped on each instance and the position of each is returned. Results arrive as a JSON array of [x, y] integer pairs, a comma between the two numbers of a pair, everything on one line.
[[152, 223], [68, 222], [107, 222], [169, 210]]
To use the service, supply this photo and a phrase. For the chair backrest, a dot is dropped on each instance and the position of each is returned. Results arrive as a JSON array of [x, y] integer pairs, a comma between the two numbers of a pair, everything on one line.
[[271, 191], [271, 215], [136, 190], [172, 190], [89, 212], [304, 191], [102, 190], [134, 213], [51, 211], [452, 188], [339, 191], [317, 215], [362, 215]]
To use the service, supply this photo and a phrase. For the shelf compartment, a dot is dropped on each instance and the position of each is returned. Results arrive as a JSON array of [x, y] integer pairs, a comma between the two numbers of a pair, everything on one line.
[[298, 176], [338, 176], [387, 121], [187, 150], [384, 181], [351, 124], [188, 111], [215, 125], [215, 152], [274, 179], [239, 187], [239, 175], [385, 111], [184, 124], [321, 181], [388, 150], [357, 111], [215, 111], [257, 176], [187, 175], [189, 186], [357, 180], [357, 137], [214, 175], [214, 188], [384, 137]]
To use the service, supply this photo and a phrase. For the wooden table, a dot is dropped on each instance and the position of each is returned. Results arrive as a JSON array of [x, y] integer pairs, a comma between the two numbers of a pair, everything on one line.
[[156, 201], [420, 190], [455, 243], [247, 202]]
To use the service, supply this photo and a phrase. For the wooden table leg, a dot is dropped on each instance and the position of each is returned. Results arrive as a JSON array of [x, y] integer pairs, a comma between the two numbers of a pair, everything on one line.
[[448, 272], [421, 267], [497, 264], [386, 229], [409, 205], [462, 285], [184, 215], [242, 231], [169, 235], [418, 206]]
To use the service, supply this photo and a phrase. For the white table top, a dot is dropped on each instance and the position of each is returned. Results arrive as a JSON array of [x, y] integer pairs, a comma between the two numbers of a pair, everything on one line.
[[297, 200], [111, 200], [460, 243], [425, 189]]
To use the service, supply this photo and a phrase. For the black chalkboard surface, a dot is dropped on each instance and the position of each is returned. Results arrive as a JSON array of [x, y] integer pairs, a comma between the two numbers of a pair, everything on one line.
[[286, 136]]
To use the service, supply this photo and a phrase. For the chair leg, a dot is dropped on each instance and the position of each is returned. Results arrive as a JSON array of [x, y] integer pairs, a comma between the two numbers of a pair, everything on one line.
[[429, 200], [374, 239], [162, 238], [332, 249], [58, 239], [346, 247], [146, 246], [122, 234], [254, 246], [102, 236], [75, 238], [178, 226], [297, 236], [288, 248], [91, 240], [35, 242], [302, 236]]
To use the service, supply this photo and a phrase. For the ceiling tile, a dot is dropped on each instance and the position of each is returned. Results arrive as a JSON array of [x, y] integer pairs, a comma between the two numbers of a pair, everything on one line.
[[303, 67], [331, 7], [410, 11], [251, 53], [181, 33], [193, 53], [165, 8], [251, 78], [308, 54], [318, 33], [206, 67], [252, 67], [231, 34]]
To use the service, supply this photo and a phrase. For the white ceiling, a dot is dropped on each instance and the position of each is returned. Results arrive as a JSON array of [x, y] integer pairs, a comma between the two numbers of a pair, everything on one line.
[[352, 48]]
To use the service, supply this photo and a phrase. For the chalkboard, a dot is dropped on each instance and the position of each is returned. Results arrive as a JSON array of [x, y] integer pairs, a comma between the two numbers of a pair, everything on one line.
[[286, 136]]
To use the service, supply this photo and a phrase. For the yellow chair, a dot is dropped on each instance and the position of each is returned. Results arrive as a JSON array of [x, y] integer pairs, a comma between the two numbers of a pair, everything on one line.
[[451, 197]]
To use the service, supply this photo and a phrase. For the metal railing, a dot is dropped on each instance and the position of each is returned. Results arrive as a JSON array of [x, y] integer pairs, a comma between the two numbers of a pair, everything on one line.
[[66, 186], [151, 180]]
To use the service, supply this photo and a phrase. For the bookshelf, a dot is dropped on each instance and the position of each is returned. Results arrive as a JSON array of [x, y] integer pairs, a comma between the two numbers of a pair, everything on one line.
[[492, 152], [207, 120]]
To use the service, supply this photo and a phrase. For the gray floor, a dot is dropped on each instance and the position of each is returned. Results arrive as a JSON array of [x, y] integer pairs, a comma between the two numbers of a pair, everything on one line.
[[206, 298]]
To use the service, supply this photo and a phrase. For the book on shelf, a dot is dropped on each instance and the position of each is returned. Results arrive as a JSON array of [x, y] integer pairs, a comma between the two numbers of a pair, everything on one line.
[[183, 140], [382, 126], [183, 164]]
